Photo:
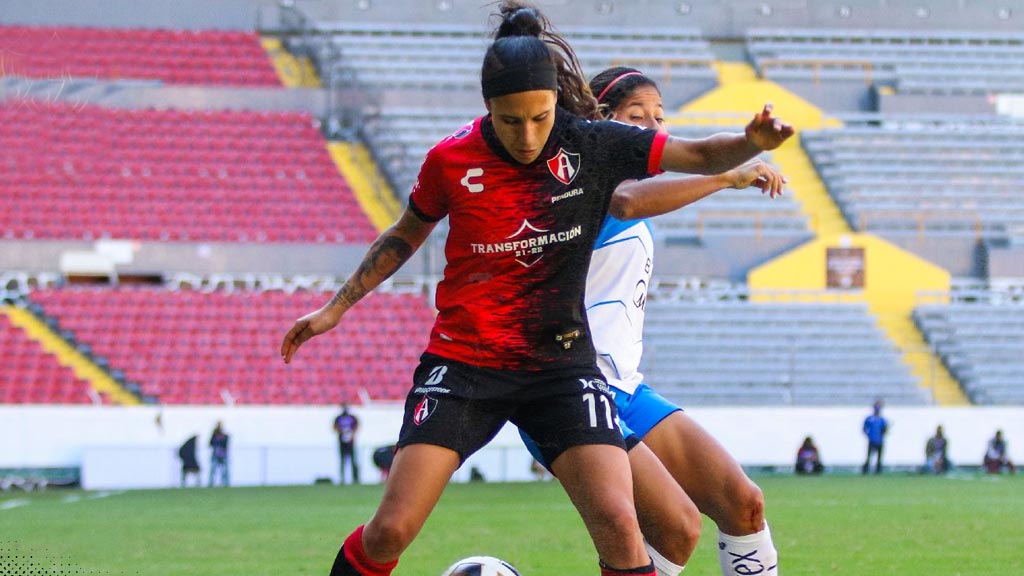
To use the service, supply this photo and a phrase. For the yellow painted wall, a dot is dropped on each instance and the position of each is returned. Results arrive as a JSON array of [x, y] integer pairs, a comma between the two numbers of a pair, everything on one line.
[[892, 276], [293, 72], [892, 279]]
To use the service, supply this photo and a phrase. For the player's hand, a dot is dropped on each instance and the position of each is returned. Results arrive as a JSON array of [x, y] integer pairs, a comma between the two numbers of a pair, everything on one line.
[[766, 132], [757, 173], [305, 328]]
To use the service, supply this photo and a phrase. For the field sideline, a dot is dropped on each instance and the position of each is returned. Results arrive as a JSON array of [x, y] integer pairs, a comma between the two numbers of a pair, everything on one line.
[[902, 525]]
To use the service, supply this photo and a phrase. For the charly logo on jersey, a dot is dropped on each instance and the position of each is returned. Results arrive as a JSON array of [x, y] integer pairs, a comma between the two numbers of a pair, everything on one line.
[[527, 243], [425, 409], [564, 166], [473, 187]]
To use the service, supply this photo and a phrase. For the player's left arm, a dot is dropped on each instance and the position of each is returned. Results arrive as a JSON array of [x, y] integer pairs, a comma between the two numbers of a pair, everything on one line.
[[725, 151], [634, 199]]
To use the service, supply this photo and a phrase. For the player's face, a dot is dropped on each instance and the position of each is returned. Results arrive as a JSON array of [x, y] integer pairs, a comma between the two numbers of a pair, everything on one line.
[[523, 122], [642, 108]]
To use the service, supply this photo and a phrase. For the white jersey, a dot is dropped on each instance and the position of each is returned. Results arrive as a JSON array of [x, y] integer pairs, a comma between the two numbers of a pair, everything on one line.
[[620, 271]]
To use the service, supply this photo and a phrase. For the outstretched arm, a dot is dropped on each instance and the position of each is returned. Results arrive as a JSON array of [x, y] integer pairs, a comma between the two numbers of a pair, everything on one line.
[[646, 198], [722, 152], [387, 254]]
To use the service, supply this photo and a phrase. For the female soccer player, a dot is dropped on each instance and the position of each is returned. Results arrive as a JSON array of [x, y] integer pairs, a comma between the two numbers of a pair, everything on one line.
[[616, 294], [525, 189]]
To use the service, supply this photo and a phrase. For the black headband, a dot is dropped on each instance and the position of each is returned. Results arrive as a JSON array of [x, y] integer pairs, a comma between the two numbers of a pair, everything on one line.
[[521, 78]]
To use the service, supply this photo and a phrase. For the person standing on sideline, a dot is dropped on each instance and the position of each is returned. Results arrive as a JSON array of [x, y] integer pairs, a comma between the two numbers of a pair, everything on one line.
[[935, 460], [875, 427], [219, 454], [345, 426], [189, 461], [525, 189]]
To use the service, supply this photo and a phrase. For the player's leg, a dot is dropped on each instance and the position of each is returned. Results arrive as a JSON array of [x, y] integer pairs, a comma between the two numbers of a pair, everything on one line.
[[597, 480], [418, 476], [708, 474], [442, 426], [669, 519], [720, 489], [571, 417]]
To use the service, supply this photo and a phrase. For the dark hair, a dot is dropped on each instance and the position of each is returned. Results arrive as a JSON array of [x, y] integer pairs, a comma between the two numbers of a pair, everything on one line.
[[615, 84], [524, 38]]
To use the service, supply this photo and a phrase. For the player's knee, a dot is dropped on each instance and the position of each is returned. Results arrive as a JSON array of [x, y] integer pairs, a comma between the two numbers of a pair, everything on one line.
[[621, 531], [386, 538], [674, 536], [687, 535], [752, 503], [746, 511]]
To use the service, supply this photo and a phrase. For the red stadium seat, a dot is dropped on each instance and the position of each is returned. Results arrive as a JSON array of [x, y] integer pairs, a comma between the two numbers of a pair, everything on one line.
[[187, 347], [172, 176]]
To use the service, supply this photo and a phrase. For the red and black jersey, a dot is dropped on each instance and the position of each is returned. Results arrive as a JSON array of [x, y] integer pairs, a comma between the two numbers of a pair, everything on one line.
[[520, 237]]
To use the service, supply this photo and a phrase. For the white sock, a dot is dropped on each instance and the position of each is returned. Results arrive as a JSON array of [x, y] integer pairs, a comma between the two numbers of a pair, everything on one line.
[[748, 555], [662, 566]]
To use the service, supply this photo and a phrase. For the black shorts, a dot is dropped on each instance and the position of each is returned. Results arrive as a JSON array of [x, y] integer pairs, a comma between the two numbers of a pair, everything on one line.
[[462, 407]]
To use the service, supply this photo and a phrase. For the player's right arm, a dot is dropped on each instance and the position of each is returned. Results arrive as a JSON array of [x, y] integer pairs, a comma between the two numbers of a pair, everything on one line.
[[389, 252]]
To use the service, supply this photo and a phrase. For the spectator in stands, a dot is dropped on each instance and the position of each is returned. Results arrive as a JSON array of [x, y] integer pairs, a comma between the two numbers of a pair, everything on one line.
[[345, 426], [615, 302], [219, 455], [808, 460], [935, 453], [509, 342], [875, 428], [996, 456], [189, 461]]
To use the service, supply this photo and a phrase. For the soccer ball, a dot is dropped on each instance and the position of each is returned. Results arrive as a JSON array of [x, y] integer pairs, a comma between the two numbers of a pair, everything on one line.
[[481, 566]]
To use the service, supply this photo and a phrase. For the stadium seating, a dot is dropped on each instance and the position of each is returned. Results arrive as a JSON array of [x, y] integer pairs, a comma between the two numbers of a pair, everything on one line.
[[223, 58], [981, 341], [395, 57], [934, 62], [31, 375], [709, 347], [85, 172], [943, 179], [214, 348]]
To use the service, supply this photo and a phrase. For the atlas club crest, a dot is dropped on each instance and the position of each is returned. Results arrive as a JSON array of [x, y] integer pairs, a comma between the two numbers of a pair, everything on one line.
[[564, 166]]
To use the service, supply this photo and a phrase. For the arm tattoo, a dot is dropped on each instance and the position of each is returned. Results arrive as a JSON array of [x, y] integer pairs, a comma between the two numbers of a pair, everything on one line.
[[384, 258]]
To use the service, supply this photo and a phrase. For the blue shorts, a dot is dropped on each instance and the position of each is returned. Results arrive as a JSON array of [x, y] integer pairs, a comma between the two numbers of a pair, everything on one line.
[[643, 409]]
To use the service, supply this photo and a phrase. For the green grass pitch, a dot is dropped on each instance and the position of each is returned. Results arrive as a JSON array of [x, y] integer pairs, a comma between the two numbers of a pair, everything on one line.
[[889, 525]]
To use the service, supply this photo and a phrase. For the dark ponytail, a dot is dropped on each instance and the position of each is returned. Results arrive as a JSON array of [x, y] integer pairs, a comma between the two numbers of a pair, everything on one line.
[[525, 51], [614, 85]]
